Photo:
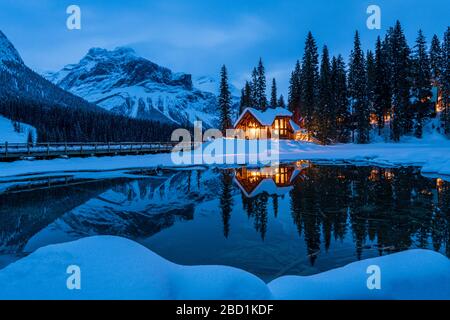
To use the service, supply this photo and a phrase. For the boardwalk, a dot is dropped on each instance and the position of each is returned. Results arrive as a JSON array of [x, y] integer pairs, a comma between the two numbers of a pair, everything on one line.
[[16, 151]]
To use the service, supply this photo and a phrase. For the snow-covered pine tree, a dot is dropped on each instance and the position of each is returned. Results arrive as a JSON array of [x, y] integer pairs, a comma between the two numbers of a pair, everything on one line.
[[340, 99], [224, 101], [254, 89], [381, 90], [310, 79], [295, 85], [273, 94], [371, 79], [281, 102], [323, 116], [261, 86], [357, 82], [246, 97], [435, 59], [421, 84], [445, 79], [400, 68]]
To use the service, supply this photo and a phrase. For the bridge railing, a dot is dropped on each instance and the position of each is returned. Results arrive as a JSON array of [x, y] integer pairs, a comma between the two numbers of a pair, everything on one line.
[[61, 148]]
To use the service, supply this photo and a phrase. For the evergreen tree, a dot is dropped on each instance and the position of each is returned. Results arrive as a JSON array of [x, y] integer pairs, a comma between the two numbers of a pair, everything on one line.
[[357, 82], [340, 99], [246, 98], [435, 60], [371, 79], [445, 80], [309, 79], [261, 87], [381, 90], [273, 94], [281, 102], [295, 86], [254, 89], [323, 117], [421, 85], [224, 101], [402, 115]]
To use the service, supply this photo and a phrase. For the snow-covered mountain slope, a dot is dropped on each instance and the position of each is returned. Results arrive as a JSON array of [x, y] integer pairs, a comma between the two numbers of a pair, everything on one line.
[[7, 51], [122, 82], [20, 82], [15, 132]]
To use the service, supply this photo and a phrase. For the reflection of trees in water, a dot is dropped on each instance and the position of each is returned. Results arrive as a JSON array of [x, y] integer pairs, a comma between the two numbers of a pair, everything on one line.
[[226, 199], [395, 208], [256, 208]]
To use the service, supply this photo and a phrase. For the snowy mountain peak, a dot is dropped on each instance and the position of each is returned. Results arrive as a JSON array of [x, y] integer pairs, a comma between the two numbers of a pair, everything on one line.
[[7, 50], [121, 81], [118, 53]]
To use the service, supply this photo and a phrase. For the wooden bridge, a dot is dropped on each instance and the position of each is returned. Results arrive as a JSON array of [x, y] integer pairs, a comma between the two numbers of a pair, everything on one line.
[[16, 151]]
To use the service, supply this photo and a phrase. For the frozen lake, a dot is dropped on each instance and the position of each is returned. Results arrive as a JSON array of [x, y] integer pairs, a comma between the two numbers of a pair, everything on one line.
[[301, 218]]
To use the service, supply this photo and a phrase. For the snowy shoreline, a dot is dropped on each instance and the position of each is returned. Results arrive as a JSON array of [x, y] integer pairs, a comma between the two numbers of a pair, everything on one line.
[[118, 268], [433, 157]]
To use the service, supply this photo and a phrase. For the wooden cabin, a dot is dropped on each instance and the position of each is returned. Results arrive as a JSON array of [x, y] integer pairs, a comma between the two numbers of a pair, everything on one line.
[[268, 124]]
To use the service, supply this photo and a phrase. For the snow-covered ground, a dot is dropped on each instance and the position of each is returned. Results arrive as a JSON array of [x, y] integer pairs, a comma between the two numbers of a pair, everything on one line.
[[9, 134], [432, 154], [117, 268]]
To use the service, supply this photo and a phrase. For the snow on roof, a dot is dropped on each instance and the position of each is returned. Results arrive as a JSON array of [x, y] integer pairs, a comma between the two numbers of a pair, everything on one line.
[[265, 186], [266, 118]]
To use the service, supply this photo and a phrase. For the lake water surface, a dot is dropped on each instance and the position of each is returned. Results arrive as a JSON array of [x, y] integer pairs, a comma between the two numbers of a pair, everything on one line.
[[302, 218]]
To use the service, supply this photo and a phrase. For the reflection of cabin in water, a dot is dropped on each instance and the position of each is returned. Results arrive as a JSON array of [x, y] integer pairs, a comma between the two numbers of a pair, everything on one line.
[[268, 124], [270, 180]]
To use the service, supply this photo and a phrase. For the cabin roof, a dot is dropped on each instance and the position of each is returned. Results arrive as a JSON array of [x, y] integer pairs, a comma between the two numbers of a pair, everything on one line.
[[266, 118]]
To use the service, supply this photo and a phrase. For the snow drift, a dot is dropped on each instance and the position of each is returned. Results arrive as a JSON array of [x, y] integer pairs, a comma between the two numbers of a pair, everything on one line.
[[117, 268]]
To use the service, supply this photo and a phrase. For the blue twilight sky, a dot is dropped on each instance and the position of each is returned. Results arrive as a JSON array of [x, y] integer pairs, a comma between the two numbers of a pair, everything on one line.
[[197, 36]]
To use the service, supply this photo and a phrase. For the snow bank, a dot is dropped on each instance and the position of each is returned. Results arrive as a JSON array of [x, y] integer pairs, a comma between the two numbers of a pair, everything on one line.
[[432, 154], [10, 135], [117, 268], [413, 274]]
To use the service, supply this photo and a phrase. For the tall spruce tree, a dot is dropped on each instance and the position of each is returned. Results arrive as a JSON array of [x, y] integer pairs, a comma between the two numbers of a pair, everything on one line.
[[371, 79], [310, 80], [324, 113], [445, 80], [261, 87], [246, 98], [435, 60], [224, 101], [421, 84], [340, 99], [281, 102], [254, 89], [381, 90], [273, 94], [295, 85], [400, 68], [357, 82]]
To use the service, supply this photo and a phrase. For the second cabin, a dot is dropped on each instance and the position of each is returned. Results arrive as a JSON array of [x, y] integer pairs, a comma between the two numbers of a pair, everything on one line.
[[271, 123]]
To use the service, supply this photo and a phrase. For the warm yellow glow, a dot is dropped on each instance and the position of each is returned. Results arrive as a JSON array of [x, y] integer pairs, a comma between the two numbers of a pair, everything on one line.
[[374, 175], [388, 175]]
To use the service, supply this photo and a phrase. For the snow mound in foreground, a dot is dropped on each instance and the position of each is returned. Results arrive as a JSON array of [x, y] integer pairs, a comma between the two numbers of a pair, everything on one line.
[[117, 268]]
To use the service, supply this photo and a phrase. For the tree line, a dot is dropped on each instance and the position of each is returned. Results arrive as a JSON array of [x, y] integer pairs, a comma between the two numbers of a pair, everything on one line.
[[387, 89], [70, 124]]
